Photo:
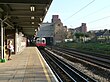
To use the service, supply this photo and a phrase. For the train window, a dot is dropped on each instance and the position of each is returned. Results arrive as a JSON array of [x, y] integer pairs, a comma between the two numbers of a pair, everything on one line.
[[38, 41], [43, 41]]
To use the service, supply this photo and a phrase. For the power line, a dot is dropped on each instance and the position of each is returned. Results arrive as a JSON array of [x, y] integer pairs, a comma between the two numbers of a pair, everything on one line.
[[99, 19], [94, 12], [80, 10], [97, 11]]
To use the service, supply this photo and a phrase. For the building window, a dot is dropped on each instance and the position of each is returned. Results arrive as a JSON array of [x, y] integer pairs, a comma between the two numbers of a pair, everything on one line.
[[58, 24]]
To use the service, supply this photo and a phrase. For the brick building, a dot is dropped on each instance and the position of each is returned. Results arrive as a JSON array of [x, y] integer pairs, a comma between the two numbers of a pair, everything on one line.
[[54, 31], [82, 28]]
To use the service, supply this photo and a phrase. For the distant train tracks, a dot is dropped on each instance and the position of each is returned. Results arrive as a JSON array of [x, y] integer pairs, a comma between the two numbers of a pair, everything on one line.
[[99, 55], [100, 60], [63, 70]]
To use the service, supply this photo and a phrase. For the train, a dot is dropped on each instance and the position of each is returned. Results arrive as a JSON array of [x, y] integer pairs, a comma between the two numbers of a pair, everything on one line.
[[41, 42]]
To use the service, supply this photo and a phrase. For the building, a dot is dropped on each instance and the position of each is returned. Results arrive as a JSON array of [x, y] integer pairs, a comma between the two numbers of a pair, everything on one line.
[[54, 32], [65, 31], [70, 33], [55, 18], [47, 31], [82, 28], [59, 32]]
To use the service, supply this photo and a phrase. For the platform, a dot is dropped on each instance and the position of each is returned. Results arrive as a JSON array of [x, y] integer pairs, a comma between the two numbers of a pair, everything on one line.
[[28, 66]]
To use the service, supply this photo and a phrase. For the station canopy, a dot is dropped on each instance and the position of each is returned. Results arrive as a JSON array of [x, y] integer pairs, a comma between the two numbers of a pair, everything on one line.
[[26, 15]]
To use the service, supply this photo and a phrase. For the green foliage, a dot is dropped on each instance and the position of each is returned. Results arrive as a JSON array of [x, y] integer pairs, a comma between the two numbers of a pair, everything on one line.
[[78, 35], [93, 47]]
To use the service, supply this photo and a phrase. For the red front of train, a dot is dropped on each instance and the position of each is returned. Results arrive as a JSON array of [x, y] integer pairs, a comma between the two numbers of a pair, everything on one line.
[[41, 42]]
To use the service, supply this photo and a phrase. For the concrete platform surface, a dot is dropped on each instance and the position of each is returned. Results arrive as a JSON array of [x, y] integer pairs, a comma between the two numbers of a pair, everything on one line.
[[28, 66]]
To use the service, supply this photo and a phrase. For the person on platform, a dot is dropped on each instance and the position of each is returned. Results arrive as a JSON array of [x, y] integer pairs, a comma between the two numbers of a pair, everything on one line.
[[10, 49]]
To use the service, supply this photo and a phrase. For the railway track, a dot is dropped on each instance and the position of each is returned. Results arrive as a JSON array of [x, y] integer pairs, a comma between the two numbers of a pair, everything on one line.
[[100, 61], [64, 71], [105, 56]]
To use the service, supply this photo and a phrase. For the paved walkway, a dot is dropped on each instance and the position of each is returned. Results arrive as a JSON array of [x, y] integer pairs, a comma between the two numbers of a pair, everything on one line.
[[28, 66]]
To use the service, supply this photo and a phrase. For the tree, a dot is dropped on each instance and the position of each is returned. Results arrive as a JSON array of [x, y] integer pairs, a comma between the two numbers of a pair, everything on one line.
[[78, 35], [81, 36]]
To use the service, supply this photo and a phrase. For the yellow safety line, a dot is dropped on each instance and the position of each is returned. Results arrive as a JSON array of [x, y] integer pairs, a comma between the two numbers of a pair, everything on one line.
[[45, 71]]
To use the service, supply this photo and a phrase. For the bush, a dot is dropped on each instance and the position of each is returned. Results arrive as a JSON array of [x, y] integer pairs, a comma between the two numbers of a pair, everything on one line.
[[93, 47]]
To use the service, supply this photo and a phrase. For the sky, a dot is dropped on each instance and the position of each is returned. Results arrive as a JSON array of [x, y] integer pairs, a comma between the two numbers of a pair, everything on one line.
[[95, 13]]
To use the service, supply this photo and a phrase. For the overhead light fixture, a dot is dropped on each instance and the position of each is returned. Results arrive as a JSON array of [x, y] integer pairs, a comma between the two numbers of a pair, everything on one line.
[[46, 9], [40, 19], [39, 24], [32, 17], [32, 8], [35, 29], [38, 28], [32, 22]]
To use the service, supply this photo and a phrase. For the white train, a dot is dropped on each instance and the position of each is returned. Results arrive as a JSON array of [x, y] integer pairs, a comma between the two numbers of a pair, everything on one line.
[[41, 42]]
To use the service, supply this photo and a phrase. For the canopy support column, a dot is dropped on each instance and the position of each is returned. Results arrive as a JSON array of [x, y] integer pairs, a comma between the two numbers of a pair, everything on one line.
[[2, 40]]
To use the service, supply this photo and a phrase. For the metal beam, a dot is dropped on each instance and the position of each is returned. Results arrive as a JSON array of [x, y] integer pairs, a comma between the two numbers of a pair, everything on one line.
[[30, 26], [20, 21], [25, 13], [27, 1]]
